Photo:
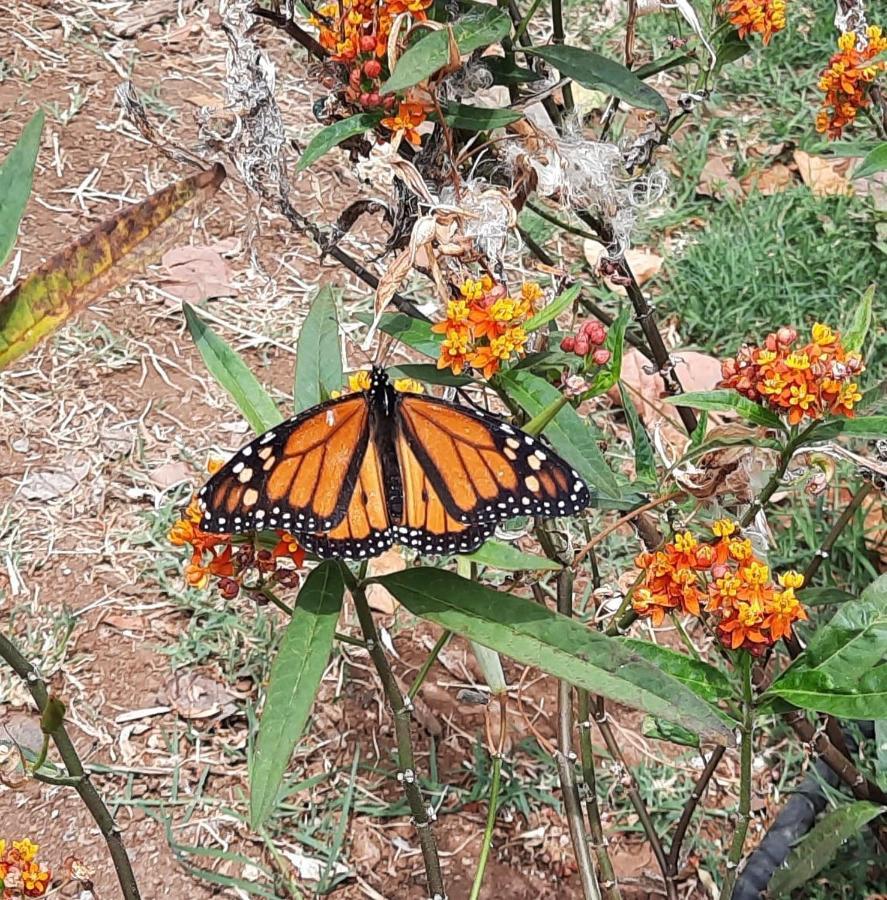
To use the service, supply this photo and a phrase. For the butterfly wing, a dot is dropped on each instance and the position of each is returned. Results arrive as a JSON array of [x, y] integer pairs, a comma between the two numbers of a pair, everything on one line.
[[364, 530], [482, 469], [299, 476], [427, 525]]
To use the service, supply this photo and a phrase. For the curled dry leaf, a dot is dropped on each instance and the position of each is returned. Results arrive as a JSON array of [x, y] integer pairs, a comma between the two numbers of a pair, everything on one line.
[[772, 180], [643, 262], [824, 177], [716, 180], [197, 696], [196, 273]]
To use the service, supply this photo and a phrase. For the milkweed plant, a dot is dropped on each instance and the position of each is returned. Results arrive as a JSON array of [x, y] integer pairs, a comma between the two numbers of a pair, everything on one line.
[[462, 117]]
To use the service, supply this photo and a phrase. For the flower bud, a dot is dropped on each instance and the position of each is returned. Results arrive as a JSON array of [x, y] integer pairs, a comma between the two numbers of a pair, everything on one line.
[[228, 588], [786, 336], [582, 346], [595, 332], [364, 99], [374, 98], [372, 68], [368, 43], [568, 344], [601, 356]]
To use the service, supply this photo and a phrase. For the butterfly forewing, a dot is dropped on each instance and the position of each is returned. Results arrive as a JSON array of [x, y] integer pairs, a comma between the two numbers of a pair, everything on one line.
[[483, 469], [299, 476]]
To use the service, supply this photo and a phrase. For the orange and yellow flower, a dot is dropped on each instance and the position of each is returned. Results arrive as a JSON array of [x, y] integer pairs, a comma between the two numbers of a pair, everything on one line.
[[800, 383], [484, 325], [747, 609], [410, 115], [21, 875], [763, 17], [847, 79]]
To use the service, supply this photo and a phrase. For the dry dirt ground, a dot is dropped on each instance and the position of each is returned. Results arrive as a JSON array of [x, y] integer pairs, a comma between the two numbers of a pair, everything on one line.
[[100, 428]]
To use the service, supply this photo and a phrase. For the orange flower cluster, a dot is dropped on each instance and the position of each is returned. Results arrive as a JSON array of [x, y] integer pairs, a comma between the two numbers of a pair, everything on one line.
[[484, 326], [749, 610], [214, 555], [847, 79], [763, 17], [20, 873], [356, 32], [800, 382]]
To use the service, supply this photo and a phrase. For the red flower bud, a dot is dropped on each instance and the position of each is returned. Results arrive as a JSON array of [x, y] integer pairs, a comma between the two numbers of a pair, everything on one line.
[[388, 101], [601, 356], [364, 99], [582, 346], [368, 43], [374, 99], [568, 344], [228, 588], [594, 331], [786, 336], [372, 68]]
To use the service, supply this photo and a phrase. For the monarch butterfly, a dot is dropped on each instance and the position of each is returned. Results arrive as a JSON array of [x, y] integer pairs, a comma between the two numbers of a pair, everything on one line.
[[352, 476]]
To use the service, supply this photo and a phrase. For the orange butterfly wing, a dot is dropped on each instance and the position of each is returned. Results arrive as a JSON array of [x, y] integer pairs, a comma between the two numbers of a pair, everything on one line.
[[484, 470], [298, 476]]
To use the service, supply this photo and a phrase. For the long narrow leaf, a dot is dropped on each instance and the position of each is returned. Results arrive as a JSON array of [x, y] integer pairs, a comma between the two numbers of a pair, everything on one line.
[[861, 321], [332, 135], [554, 309], [318, 353], [729, 401], [295, 678], [105, 258], [16, 177], [233, 374], [563, 647]]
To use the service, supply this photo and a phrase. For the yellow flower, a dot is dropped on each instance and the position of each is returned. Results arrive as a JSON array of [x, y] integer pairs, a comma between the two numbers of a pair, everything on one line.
[[359, 381], [765, 357], [823, 335], [27, 849], [474, 289], [791, 579], [213, 464], [723, 528], [531, 292], [409, 385], [685, 542], [849, 396], [755, 573], [798, 361], [741, 549]]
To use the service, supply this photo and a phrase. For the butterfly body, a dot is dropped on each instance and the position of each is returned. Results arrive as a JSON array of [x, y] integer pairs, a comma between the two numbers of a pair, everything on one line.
[[352, 476]]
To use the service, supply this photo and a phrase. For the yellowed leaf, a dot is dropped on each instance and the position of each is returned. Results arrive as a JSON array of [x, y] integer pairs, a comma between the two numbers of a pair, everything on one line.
[[97, 262]]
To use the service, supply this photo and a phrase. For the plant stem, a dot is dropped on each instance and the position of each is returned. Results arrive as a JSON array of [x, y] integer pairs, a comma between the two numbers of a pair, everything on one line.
[[79, 778], [557, 36], [280, 21], [422, 674], [674, 854], [496, 773], [747, 729], [565, 756], [406, 760], [627, 779], [609, 885]]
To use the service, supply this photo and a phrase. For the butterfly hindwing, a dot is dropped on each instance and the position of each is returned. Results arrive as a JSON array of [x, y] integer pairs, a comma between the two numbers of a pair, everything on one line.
[[483, 469], [298, 476]]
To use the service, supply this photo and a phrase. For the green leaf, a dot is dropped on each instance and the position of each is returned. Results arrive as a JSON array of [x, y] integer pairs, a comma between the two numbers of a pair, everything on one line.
[[661, 730], [568, 434], [730, 48], [728, 401], [697, 439], [700, 677], [608, 374], [479, 28], [318, 353], [644, 457], [554, 309], [507, 557], [430, 374], [875, 161], [855, 334], [598, 73], [844, 671], [863, 426], [328, 137], [415, 333], [534, 635], [823, 596], [505, 71], [233, 374], [818, 848], [16, 177], [295, 677], [479, 118], [881, 753]]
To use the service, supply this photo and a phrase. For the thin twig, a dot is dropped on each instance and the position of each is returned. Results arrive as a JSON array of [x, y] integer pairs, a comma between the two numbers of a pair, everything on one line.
[[282, 22], [406, 759], [80, 780], [422, 674], [557, 36], [630, 784], [674, 854], [633, 514], [565, 756]]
